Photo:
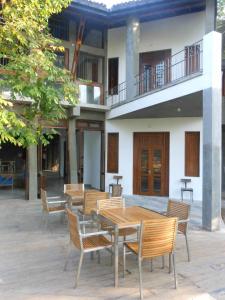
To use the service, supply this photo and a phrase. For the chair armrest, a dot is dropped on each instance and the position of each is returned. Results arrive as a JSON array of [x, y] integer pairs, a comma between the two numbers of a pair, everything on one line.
[[164, 212], [94, 233], [57, 202], [183, 221], [86, 222]]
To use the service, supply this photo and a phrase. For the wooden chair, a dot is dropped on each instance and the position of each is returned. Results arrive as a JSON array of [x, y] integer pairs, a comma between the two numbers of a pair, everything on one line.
[[182, 212], [157, 238], [90, 201], [85, 243], [76, 196], [51, 207], [114, 202]]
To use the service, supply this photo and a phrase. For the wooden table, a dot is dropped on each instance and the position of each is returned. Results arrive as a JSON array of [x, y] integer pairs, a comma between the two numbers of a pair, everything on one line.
[[124, 218]]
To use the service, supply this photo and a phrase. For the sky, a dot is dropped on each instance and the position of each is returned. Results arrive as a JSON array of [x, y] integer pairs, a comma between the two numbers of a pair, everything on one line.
[[110, 3]]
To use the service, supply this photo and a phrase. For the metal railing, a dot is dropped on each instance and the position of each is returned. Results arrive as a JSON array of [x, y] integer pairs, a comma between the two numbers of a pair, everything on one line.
[[182, 65], [117, 94]]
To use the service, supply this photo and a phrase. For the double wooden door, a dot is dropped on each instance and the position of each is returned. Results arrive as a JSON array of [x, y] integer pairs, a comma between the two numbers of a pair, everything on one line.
[[151, 164]]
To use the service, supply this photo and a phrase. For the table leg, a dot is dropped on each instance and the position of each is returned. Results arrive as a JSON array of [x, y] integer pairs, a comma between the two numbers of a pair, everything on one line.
[[116, 256]]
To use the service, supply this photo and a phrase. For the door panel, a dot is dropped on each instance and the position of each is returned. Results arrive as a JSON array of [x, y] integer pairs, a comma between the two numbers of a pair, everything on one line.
[[144, 171], [151, 164]]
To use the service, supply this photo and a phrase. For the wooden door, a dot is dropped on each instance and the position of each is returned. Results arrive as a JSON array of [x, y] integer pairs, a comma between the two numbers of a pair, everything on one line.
[[151, 164]]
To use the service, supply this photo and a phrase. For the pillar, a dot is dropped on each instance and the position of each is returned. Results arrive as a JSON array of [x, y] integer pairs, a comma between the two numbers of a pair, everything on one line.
[[72, 150], [132, 56], [32, 172], [61, 155], [212, 126], [210, 15]]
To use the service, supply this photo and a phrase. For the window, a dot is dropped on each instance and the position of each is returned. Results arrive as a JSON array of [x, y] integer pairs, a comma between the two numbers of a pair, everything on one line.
[[59, 29], [113, 153], [192, 152], [192, 59], [113, 76], [93, 37], [90, 67], [62, 60]]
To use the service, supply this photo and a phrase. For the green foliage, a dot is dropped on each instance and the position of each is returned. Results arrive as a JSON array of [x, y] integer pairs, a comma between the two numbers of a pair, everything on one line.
[[31, 73], [220, 15]]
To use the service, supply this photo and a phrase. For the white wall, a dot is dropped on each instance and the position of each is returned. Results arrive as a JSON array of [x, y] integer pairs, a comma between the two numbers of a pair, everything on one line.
[[177, 128], [171, 33], [92, 152]]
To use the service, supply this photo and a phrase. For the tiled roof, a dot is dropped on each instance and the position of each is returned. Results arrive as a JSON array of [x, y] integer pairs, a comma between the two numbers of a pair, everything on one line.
[[119, 6], [129, 4], [92, 4]]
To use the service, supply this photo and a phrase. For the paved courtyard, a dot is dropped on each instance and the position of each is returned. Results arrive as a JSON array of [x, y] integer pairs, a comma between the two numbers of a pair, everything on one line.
[[32, 259]]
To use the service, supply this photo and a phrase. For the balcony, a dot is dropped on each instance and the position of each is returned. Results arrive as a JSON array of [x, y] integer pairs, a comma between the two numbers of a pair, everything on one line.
[[182, 66]]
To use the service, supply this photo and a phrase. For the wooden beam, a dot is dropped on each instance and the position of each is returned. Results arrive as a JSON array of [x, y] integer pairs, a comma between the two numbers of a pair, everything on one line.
[[78, 43]]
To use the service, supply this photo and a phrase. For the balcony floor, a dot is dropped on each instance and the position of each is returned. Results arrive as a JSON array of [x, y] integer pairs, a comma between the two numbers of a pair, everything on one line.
[[32, 260]]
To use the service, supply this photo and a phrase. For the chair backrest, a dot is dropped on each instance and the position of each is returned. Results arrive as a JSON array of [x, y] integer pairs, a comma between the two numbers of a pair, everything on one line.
[[117, 190], [74, 187], [157, 237], [113, 202], [74, 228], [181, 211], [44, 200], [90, 200]]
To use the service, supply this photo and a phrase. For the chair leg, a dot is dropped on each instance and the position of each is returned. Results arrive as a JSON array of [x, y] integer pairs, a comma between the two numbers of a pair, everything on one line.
[[111, 252], [151, 265], [124, 259], [182, 196], [174, 271], [188, 250], [99, 257], [79, 269], [140, 278], [170, 263], [163, 262]]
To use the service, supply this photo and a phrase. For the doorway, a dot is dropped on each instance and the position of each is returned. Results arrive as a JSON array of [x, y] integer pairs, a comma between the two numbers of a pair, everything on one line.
[[151, 164], [91, 153]]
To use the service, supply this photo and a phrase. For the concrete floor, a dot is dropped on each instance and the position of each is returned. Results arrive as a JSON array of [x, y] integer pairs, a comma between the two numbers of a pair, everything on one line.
[[32, 259]]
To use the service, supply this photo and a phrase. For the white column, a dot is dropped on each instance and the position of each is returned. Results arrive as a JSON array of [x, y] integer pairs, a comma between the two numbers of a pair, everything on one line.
[[212, 127]]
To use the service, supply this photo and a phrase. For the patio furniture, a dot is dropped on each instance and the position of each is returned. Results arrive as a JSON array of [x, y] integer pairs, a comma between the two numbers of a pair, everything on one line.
[[115, 188], [75, 193], [51, 207], [114, 202], [186, 188], [125, 218], [182, 212], [85, 243], [157, 238], [90, 201]]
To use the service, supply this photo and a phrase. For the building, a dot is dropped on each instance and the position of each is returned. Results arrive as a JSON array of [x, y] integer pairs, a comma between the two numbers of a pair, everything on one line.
[[149, 75]]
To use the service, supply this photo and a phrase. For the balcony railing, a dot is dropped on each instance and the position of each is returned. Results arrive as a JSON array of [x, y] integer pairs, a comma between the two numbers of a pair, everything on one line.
[[180, 66], [90, 93]]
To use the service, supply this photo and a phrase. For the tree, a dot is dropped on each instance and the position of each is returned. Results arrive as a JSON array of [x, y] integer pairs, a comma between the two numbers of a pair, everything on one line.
[[31, 72], [220, 14]]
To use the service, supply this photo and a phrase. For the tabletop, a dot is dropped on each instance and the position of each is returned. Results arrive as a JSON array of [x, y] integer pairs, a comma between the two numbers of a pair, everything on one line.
[[129, 216]]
